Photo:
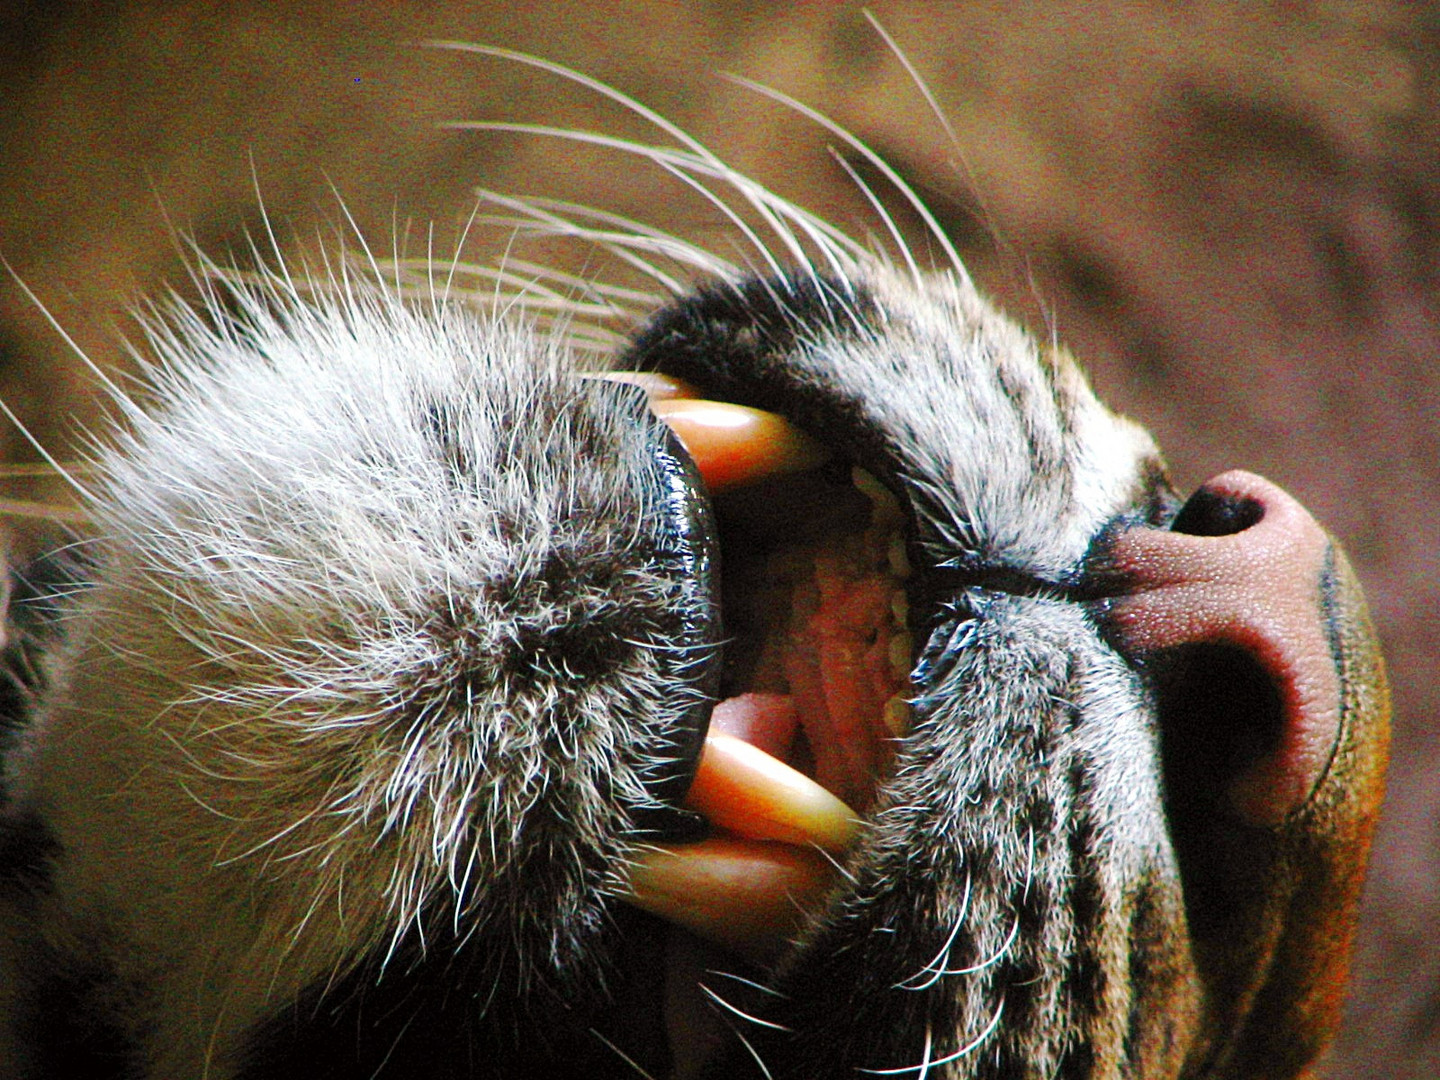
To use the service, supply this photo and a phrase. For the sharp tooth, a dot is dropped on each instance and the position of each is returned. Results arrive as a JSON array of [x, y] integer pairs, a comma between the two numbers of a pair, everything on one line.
[[749, 891], [747, 896], [659, 387], [734, 445], [898, 559], [902, 646], [741, 788], [897, 716]]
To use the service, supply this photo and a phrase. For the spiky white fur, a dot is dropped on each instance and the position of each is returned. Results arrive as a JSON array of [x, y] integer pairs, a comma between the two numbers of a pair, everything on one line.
[[286, 718]]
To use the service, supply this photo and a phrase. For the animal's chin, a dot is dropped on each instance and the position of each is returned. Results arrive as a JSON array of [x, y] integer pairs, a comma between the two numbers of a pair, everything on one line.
[[814, 680]]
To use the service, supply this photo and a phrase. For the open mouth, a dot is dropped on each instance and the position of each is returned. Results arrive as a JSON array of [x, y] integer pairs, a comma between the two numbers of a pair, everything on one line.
[[814, 682]]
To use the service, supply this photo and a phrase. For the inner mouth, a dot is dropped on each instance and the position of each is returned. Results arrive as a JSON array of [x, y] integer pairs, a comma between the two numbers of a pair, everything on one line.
[[816, 613], [813, 692]]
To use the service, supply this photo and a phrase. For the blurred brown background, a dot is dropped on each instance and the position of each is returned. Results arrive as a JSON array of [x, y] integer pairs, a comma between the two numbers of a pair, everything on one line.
[[1231, 211]]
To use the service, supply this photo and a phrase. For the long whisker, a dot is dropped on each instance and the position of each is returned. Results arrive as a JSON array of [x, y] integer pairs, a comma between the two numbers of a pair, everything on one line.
[[42, 511], [568, 214], [626, 1058], [918, 80], [878, 162], [927, 1063], [50, 460], [618, 243], [741, 1013], [674, 160], [284, 268], [705, 161], [590, 83], [883, 214], [65, 336], [695, 158], [23, 470]]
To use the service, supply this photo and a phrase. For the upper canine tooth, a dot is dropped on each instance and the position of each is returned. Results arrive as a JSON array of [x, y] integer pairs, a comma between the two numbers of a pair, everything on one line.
[[741, 788], [733, 445], [659, 387]]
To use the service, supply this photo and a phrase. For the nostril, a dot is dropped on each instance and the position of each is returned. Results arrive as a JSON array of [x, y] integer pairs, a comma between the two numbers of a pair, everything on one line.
[[1221, 713], [1215, 513]]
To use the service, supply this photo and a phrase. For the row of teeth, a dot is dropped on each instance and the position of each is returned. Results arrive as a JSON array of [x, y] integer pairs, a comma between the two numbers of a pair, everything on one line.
[[747, 887], [885, 513]]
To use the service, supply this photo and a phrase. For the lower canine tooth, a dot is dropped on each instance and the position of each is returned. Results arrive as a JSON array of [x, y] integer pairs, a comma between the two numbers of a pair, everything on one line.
[[733, 445], [747, 896]]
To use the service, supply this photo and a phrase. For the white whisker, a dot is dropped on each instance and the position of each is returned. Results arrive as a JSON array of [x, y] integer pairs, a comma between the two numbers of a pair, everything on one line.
[[885, 169], [626, 1058], [927, 1064], [936, 967], [750, 1048], [761, 987], [736, 1011], [884, 215], [915, 78]]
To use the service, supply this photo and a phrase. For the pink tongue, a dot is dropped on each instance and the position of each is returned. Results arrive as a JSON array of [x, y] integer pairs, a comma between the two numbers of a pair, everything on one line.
[[833, 656], [766, 721]]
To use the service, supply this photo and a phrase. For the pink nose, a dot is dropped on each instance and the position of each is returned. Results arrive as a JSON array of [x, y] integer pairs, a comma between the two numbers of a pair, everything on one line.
[[1244, 571]]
